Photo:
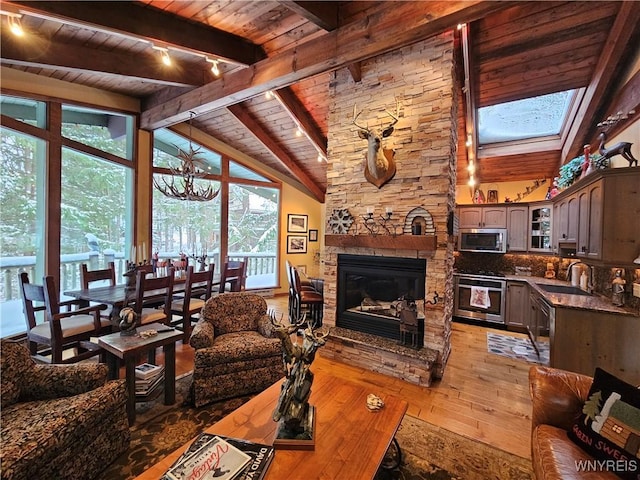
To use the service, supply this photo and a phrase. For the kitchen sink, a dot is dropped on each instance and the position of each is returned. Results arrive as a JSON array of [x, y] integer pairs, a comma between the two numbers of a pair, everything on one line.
[[570, 289]]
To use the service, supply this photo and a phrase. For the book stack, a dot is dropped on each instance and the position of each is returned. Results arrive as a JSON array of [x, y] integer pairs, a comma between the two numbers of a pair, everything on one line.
[[220, 457], [148, 378]]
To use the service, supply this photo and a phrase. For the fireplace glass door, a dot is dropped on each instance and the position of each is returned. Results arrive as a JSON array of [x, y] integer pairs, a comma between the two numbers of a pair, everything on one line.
[[370, 288]]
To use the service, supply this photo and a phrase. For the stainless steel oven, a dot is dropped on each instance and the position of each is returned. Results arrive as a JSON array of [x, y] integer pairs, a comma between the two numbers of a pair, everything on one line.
[[479, 297]]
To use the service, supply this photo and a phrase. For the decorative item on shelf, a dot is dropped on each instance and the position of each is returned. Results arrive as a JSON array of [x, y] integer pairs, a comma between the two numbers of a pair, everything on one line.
[[492, 195], [612, 120], [369, 222], [386, 223], [617, 288], [420, 222], [295, 417], [187, 173], [620, 148], [528, 190], [340, 221], [478, 196]]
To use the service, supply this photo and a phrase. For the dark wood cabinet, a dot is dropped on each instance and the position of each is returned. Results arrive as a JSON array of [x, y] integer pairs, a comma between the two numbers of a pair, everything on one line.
[[518, 310], [517, 228], [482, 217]]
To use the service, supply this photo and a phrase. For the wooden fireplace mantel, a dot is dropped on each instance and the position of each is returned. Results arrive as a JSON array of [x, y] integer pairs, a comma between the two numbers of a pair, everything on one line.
[[400, 242]]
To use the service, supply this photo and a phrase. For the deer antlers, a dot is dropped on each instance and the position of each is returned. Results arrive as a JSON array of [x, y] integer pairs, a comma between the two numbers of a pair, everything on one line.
[[386, 131], [294, 327]]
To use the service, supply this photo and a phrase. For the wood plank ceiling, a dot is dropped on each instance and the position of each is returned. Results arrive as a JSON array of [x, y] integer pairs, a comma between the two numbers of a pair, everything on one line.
[[517, 50]]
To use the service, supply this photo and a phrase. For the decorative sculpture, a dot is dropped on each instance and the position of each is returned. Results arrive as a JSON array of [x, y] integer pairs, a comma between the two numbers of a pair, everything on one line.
[[620, 148], [380, 166], [293, 412]]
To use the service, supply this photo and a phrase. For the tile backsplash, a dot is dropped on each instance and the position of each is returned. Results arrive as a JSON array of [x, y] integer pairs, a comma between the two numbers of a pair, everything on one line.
[[603, 276]]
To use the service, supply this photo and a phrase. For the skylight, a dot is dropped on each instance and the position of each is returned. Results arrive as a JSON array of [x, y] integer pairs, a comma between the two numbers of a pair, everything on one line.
[[528, 118]]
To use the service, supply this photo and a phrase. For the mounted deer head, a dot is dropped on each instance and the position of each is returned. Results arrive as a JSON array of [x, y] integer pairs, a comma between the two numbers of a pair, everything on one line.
[[380, 166]]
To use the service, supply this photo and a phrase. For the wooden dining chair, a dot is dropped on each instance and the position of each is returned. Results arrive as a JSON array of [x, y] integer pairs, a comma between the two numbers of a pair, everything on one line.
[[197, 290], [106, 276], [311, 299], [87, 277], [233, 273], [62, 336], [294, 309], [152, 298]]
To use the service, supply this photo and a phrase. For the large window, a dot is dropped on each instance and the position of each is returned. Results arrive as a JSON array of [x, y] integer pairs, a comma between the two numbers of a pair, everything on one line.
[[191, 227], [22, 166], [94, 168], [95, 214], [253, 231]]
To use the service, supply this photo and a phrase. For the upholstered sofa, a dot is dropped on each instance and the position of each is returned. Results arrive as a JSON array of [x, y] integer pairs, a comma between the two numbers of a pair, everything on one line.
[[58, 421], [558, 397], [235, 350]]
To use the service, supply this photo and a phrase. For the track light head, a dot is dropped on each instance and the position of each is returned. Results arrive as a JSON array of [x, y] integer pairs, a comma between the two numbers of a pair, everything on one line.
[[215, 69]]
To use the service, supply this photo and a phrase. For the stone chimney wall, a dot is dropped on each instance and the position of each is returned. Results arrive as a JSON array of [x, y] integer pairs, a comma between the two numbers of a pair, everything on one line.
[[421, 78]]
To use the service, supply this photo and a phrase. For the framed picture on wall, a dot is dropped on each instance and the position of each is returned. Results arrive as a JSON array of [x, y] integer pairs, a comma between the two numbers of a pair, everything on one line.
[[296, 223], [296, 244], [313, 235]]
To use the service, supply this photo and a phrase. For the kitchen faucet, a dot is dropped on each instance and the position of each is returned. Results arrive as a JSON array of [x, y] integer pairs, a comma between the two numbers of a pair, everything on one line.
[[569, 269]]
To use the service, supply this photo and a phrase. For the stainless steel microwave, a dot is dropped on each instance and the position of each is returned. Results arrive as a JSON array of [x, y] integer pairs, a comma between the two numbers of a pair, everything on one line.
[[486, 240]]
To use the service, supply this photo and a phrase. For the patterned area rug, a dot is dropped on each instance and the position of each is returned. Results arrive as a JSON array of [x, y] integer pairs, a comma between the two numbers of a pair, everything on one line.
[[518, 348], [428, 452]]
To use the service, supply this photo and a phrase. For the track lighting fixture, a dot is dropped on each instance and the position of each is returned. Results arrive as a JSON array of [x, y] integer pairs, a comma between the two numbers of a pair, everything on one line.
[[15, 25], [164, 55], [214, 66]]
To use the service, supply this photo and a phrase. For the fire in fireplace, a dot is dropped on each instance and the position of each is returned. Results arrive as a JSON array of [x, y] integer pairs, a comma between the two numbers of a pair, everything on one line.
[[370, 290]]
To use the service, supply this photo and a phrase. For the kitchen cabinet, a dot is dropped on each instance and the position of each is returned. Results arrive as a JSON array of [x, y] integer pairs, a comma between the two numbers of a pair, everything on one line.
[[566, 215], [482, 217], [517, 228], [540, 227], [608, 204], [518, 310], [590, 227], [581, 340], [541, 315]]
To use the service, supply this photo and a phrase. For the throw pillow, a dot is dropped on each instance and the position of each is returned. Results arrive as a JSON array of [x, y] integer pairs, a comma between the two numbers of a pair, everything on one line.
[[609, 427]]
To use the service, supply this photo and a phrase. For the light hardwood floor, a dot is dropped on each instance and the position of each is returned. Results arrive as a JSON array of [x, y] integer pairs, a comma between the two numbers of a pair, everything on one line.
[[481, 396]]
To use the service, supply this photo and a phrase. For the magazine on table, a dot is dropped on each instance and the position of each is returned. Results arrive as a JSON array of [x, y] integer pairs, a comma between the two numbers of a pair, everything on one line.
[[215, 459], [261, 455], [145, 371]]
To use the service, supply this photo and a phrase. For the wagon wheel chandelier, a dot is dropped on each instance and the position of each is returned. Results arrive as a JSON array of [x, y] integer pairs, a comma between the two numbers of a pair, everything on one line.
[[182, 184]]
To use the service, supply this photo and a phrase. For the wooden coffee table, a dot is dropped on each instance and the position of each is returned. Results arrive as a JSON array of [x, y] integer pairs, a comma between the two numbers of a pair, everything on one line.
[[129, 348], [350, 440]]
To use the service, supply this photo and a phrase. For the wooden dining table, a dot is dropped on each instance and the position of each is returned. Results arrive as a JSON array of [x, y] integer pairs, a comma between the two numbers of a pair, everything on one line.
[[115, 295]]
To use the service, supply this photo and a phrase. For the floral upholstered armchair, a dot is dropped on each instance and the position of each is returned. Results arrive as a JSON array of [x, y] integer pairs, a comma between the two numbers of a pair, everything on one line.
[[58, 421], [235, 350]]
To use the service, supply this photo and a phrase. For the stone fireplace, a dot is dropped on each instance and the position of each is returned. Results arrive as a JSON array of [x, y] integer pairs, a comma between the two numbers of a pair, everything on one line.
[[421, 78]]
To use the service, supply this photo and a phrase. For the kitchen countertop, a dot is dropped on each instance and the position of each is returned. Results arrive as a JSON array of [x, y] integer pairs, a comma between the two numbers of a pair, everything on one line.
[[565, 300]]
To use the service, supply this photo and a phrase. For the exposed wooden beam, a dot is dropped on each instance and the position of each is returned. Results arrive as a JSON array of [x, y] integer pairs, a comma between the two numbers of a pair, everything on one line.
[[290, 102], [278, 152], [400, 25], [133, 20], [76, 58], [322, 14], [627, 100], [622, 30], [355, 69]]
